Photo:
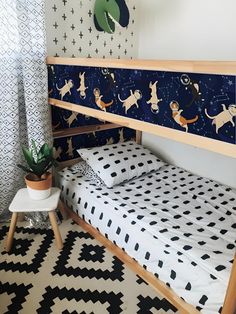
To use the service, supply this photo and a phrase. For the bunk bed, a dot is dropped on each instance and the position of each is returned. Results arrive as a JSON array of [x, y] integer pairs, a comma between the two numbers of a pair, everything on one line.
[[131, 94]]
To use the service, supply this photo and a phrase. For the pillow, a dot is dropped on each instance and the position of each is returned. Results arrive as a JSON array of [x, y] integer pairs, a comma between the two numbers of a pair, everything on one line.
[[83, 169], [120, 162]]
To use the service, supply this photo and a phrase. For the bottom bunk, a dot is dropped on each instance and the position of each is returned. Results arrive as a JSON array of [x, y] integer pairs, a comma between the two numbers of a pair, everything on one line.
[[178, 226], [156, 284]]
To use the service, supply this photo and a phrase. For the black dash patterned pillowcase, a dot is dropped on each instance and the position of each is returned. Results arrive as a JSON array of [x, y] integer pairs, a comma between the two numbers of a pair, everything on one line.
[[120, 162], [84, 169]]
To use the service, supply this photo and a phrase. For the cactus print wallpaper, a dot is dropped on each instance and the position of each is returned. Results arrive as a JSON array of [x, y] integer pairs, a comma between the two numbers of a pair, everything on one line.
[[201, 104], [66, 148]]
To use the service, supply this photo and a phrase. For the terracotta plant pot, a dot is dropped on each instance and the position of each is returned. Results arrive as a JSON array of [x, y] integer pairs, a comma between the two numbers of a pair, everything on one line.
[[39, 189]]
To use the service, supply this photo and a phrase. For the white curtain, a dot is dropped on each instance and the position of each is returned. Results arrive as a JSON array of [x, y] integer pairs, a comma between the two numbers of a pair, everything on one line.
[[24, 112]]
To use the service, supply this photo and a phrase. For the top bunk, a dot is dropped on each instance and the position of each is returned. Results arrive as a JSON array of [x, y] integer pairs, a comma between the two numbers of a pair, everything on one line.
[[186, 101]]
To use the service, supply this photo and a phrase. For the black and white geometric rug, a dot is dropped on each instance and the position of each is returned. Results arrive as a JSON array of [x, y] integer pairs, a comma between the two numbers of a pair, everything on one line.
[[84, 277]]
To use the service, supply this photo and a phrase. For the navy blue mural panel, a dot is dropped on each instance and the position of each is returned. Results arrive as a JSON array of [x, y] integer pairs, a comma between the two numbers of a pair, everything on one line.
[[66, 148], [63, 119], [201, 104]]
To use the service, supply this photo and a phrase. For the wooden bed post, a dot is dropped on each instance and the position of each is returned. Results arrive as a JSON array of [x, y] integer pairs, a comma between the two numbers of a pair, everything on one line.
[[230, 297], [138, 137]]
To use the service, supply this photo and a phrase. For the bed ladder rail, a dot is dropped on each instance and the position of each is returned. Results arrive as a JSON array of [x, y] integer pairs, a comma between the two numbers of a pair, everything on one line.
[[86, 129]]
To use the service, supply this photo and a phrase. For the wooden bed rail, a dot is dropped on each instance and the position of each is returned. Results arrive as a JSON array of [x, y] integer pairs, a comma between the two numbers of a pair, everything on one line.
[[210, 67], [86, 129], [179, 136]]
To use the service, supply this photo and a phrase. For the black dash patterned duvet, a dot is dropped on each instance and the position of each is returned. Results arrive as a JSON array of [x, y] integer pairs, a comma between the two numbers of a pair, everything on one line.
[[177, 225]]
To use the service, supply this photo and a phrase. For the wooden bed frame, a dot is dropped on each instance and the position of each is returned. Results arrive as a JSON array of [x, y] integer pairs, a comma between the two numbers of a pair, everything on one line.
[[227, 68], [229, 306]]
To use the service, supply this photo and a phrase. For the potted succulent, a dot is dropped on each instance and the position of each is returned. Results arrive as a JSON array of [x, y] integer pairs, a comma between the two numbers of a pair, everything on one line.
[[38, 178]]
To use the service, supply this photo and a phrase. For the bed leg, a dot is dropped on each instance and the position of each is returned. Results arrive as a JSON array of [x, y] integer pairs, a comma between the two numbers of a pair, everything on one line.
[[230, 297], [62, 210]]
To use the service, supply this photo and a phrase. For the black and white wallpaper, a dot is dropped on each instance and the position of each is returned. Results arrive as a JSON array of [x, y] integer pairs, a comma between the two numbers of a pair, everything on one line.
[[71, 32]]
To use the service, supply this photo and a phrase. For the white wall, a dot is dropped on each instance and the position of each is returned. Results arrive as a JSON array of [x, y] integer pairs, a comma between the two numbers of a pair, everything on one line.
[[189, 30]]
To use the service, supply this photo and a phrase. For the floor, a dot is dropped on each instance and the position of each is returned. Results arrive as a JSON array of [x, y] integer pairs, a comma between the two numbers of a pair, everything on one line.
[[82, 278]]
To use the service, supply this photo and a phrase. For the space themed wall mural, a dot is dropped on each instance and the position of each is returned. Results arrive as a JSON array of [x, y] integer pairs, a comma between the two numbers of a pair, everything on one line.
[[201, 104], [65, 148]]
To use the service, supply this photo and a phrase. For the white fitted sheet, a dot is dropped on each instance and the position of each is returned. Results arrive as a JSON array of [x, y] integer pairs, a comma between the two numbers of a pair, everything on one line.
[[177, 225]]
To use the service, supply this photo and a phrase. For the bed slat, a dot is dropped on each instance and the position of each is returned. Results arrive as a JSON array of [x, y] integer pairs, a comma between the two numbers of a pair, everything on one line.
[[86, 129]]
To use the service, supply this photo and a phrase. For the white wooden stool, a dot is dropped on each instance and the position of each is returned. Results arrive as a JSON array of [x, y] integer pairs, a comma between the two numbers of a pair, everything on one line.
[[23, 203]]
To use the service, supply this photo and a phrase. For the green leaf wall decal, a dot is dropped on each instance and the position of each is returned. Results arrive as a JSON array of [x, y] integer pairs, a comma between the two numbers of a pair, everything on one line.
[[109, 12]]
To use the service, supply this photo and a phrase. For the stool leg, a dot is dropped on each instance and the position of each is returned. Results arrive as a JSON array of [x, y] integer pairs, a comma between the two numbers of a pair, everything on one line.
[[55, 229], [11, 232]]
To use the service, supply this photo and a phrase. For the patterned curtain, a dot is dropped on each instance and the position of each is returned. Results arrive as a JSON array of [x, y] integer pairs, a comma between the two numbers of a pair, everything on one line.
[[24, 112]]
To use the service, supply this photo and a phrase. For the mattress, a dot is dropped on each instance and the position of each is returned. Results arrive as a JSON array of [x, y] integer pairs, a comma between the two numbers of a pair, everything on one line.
[[177, 225]]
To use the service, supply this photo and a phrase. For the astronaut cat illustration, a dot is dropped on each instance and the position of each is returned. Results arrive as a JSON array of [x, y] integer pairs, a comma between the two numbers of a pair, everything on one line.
[[121, 135], [132, 100], [193, 86], [110, 141], [70, 149], [176, 115], [57, 152], [110, 76], [66, 88], [71, 118], [223, 117], [98, 100], [154, 100], [82, 88]]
